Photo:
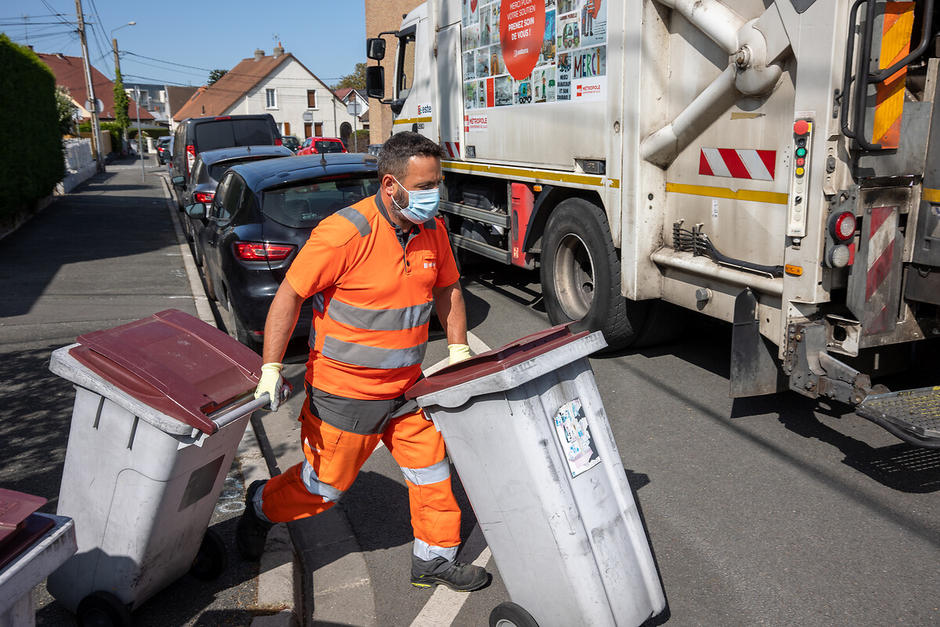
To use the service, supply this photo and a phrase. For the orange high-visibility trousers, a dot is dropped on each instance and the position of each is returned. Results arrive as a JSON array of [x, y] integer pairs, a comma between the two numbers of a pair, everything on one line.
[[333, 458]]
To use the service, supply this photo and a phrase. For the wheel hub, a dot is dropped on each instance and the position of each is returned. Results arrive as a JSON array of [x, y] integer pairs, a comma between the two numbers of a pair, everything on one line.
[[574, 276]]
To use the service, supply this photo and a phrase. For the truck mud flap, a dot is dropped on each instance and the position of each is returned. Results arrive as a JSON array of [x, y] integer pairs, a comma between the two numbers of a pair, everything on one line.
[[912, 415]]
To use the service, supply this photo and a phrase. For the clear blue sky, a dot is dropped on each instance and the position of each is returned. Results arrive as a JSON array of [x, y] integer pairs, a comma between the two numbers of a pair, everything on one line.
[[328, 36]]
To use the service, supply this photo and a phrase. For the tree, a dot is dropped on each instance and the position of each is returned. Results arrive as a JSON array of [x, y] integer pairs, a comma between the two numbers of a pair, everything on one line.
[[121, 102], [215, 75], [356, 80], [65, 110]]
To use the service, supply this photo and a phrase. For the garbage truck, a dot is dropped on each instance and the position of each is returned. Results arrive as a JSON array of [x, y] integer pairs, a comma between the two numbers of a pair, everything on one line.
[[772, 164]]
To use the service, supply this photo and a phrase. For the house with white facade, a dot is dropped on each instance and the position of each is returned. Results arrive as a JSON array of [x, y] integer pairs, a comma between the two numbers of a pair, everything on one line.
[[279, 84]]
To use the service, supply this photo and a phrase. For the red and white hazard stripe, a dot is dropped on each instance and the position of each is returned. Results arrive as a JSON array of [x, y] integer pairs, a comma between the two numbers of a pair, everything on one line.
[[738, 163], [453, 149], [883, 231]]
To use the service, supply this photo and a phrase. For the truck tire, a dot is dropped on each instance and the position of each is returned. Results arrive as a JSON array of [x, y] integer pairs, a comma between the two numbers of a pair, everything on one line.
[[580, 273]]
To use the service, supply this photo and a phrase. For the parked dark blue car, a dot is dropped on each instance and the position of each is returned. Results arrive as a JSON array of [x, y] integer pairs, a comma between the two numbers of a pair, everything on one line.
[[260, 217]]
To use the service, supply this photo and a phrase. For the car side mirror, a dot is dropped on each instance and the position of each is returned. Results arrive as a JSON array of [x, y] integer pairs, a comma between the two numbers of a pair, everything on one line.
[[375, 81], [196, 210], [375, 48], [178, 181]]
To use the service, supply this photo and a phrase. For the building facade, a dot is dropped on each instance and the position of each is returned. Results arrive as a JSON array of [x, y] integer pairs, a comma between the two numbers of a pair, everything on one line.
[[301, 104]]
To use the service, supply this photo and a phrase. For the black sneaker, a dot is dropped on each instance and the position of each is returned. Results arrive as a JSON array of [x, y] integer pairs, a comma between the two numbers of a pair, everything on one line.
[[252, 530], [455, 575]]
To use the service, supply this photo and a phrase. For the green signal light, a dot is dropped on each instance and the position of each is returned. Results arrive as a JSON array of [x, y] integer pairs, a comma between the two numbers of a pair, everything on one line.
[[801, 152]]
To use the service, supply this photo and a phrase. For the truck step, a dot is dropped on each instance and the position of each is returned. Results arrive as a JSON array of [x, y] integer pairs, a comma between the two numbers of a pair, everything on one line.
[[915, 413]]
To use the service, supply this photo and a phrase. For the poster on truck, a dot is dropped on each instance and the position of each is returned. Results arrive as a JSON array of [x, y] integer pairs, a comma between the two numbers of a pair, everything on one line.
[[533, 52]]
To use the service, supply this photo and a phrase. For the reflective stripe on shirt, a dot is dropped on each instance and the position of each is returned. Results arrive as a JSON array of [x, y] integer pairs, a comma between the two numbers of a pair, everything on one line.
[[380, 319], [373, 356]]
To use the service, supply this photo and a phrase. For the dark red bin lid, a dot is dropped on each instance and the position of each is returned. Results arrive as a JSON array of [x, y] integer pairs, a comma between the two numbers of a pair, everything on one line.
[[502, 358], [19, 528], [173, 362]]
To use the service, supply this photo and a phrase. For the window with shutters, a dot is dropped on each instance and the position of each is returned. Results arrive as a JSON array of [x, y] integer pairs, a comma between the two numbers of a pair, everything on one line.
[[311, 98]]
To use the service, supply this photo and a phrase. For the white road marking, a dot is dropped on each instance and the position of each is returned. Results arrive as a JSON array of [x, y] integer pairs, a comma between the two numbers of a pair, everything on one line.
[[444, 605]]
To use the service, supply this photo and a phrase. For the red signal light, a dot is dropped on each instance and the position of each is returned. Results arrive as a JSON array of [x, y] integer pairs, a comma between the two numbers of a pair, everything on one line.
[[262, 251], [800, 127], [843, 226]]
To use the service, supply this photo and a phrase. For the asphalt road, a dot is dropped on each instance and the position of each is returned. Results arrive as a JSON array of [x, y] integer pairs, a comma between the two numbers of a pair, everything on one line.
[[775, 510]]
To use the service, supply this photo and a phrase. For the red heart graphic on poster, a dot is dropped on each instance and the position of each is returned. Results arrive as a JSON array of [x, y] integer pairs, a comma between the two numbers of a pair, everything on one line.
[[473, 6], [594, 6], [521, 30]]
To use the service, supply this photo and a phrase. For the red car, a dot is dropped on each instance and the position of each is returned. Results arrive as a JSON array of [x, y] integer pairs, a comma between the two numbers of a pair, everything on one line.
[[321, 145]]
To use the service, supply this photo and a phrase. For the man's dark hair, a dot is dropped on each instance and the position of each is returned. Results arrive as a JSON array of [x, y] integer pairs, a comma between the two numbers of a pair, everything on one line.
[[395, 153]]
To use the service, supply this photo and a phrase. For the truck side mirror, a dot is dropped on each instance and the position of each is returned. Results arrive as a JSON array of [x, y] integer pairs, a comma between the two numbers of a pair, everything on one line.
[[375, 48], [375, 81]]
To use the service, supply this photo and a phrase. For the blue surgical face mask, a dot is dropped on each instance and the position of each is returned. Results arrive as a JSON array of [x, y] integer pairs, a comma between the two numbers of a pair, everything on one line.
[[422, 204]]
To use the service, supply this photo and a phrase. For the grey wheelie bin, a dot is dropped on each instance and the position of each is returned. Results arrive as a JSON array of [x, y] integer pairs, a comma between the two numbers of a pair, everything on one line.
[[32, 545], [527, 432], [160, 406]]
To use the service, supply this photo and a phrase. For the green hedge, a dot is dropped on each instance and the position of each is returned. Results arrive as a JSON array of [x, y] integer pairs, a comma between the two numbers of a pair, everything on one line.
[[113, 128], [31, 158]]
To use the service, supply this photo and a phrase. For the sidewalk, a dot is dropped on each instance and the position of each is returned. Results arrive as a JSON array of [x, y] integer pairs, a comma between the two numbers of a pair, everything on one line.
[[105, 255]]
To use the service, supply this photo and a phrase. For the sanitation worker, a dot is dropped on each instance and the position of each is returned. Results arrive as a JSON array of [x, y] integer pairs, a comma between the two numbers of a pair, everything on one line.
[[376, 270]]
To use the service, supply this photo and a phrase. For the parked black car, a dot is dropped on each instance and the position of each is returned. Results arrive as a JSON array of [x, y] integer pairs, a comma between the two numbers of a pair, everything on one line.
[[164, 149], [207, 172], [195, 135], [290, 142], [261, 216]]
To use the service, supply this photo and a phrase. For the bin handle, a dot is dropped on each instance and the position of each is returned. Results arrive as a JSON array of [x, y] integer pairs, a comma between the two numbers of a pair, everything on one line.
[[249, 405]]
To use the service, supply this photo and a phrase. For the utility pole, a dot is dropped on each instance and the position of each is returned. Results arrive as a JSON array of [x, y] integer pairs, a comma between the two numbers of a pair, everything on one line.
[[140, 138], [89, 85]]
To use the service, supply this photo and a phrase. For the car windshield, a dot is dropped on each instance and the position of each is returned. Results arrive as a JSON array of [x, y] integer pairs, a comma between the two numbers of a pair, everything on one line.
[[225, 133], [216, 170], [328, 146], [303, 204]]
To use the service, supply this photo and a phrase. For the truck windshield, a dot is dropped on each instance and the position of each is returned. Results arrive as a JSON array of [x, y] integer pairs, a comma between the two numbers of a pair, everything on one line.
[[303, 204]]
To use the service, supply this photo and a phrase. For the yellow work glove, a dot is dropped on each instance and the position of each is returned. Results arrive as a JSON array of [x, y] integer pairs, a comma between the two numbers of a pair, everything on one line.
[[458, 353], [271, 383]]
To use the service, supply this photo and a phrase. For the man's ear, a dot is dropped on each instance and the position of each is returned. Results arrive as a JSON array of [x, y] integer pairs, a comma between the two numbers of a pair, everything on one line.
[[388, 184]]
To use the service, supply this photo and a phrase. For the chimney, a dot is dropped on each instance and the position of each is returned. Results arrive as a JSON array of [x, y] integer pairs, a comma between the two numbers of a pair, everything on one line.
[[259, 54], [278, 50]]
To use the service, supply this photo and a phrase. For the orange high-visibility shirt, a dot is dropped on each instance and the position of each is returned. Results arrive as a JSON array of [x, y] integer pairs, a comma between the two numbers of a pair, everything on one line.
[[370, 332]]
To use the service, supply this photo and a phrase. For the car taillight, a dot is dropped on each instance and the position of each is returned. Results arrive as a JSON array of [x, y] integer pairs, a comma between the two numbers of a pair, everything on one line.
[[190, 157], [842, 226], [262, 251], [204, 197], [278, 142]]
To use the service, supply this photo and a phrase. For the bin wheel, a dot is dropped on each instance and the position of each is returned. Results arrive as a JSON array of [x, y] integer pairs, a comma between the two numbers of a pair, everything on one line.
[[511, 615], [211, 559], [103, 609]]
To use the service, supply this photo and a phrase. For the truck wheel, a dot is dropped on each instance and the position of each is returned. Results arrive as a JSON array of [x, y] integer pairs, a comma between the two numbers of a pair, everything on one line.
[[580, 272], [511, 615]]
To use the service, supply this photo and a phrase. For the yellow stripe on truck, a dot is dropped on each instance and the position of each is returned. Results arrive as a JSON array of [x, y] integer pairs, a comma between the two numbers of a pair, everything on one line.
[[751, 195], [532, 175], [895, 44], [931, 195], [412, 120]]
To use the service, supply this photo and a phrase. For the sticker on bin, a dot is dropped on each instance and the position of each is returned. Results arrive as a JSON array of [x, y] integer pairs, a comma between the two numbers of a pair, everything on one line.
[[573, 432]]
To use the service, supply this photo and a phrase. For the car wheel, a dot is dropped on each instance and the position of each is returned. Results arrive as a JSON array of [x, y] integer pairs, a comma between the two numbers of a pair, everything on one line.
[[237, 329]]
